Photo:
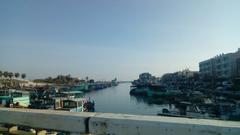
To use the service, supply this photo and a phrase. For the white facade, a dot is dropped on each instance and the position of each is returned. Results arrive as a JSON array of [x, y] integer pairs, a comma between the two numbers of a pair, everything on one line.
[[206, 67], [221, 66], [238, 66]]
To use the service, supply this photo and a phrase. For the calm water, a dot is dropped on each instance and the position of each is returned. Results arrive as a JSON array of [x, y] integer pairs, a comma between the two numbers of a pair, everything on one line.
[[118, 100]]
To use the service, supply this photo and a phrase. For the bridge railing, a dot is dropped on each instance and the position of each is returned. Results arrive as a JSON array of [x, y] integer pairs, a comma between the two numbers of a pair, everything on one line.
[[115, 124]]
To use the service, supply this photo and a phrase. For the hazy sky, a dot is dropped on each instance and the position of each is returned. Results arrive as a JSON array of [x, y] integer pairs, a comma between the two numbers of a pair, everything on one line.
[[104, 39]]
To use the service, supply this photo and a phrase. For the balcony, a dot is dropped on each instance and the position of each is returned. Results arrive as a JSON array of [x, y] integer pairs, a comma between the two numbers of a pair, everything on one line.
[[114, 124]]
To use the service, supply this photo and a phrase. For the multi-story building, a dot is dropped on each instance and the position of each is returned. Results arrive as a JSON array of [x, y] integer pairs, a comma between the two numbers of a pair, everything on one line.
[[238, 66], [223, 66], [187, 73], [146, 79], [206, 67], [180, 80]]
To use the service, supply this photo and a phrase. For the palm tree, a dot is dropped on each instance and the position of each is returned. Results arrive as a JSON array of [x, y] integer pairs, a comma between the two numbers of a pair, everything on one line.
[[10, 74], [23, 75], [49, 80], [5, 74], [16, 83], [68, 78], [16, 75], [1, 73]]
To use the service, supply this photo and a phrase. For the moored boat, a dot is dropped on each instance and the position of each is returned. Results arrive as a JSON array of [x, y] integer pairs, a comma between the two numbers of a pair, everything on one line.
[[76, 105], [186, 110], [14, 98]]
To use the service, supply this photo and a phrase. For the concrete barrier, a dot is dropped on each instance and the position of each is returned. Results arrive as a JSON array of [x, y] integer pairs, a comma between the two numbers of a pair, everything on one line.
[[46, 119], [116, 124]]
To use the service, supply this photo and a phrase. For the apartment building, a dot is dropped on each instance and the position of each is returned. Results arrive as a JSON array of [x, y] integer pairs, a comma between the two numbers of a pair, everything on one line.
[[223, 66]]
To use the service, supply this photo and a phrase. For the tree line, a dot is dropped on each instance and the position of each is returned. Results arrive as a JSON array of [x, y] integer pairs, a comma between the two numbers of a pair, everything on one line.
[[63, 79], [7, 74]]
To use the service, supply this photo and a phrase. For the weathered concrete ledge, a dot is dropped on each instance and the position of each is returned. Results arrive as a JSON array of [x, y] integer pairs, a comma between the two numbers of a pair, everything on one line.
[[116, 124], [46, 119]]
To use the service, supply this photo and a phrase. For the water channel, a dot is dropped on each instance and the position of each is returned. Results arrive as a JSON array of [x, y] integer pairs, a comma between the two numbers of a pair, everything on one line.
[[117, 100]]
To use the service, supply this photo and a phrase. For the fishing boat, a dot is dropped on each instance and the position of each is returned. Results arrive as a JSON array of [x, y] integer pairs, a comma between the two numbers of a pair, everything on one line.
[[80, 87], [74, 101], [14, 98], [160, 90], [187, 110], [75, 105], [65, 99], [139, 90]]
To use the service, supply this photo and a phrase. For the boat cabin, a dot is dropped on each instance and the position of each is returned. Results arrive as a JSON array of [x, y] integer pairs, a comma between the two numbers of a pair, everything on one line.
[[72, 105], [15, 97]]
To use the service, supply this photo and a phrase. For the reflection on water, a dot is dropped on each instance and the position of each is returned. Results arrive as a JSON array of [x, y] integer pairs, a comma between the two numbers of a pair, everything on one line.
[[140, 99], [118, 100]]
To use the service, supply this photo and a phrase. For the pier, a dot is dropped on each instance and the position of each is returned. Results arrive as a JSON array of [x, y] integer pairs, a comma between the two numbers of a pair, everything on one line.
[[113, 124], [101, 85]]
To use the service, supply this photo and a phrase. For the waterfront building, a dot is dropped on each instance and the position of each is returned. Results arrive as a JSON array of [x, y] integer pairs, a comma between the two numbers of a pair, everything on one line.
[[146, 79], [187, 73], [206, 67], [180, 80], [238, 66], [223, 66]]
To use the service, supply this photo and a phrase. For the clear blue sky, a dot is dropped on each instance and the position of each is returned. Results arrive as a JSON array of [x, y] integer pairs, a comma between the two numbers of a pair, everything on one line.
[[104, 39]]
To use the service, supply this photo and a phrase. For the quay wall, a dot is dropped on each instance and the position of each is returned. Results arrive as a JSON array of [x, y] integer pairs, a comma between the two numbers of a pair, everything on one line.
[[115, 124]]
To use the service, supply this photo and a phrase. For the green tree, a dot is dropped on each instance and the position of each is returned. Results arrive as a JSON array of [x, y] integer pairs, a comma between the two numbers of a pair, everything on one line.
[[5, 74], [16, 75], [91, 81], [23, 75], [10, 74], [68, 78], [1, 73]]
